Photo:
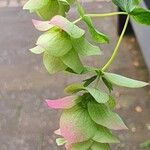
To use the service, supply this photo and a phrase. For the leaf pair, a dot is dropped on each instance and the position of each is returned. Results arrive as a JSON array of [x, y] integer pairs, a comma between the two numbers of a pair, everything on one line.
[[138, 14], [62, 43], [46, 9]]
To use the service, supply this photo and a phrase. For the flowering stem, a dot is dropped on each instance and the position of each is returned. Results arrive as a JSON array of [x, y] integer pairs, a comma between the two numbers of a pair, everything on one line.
[[117, 46], [102, 15]]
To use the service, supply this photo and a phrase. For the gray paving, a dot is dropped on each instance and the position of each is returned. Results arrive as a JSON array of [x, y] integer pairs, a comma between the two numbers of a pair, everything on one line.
[[25, 123]]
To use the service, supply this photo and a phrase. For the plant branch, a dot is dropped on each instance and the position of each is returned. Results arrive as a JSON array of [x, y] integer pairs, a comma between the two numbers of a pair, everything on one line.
[[117, 46], [102, 15]]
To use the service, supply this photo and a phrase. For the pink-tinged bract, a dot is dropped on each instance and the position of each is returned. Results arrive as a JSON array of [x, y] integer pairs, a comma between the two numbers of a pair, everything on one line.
[[42, 25], [76, 125], [73, 30], [62, 103]]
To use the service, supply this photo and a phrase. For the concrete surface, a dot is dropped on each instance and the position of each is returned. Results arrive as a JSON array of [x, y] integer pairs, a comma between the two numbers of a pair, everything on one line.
[[25, 123]]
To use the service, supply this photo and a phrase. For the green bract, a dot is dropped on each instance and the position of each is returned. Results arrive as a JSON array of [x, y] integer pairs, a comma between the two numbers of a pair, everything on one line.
[[46, 9], [56, 42], [76, 125], [102, 115]]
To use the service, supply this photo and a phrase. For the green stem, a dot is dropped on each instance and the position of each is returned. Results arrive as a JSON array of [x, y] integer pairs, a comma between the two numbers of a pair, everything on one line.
[[117, 46], [107, 14], [102, 15]]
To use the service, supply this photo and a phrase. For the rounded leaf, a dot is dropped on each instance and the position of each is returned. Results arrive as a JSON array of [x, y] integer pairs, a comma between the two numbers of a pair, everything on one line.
[[72, 60], [76, 125], [53, 64], [56, 42], [84, 48], [102, 115]]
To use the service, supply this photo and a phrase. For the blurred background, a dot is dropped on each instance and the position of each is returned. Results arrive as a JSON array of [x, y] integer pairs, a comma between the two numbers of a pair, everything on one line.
[[25, 122]]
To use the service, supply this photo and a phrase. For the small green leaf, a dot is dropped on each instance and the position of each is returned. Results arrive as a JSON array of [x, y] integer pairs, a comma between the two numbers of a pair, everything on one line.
[[76, 125], [123, 81], [84, 48], [73, 30], [102, 115], [74, 88], [141, 16], [108, 84], [103, 135], [100, 146], [72, 60], [89, 80], [60, 141], [127, 5], [37, 50], [99, 96], [53, 64], [96, 35], [82, 146]]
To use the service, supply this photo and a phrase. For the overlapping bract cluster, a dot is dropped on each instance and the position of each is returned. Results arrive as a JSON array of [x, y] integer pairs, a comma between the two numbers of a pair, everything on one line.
[[46, 9], [86, 121], [62, 44]]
